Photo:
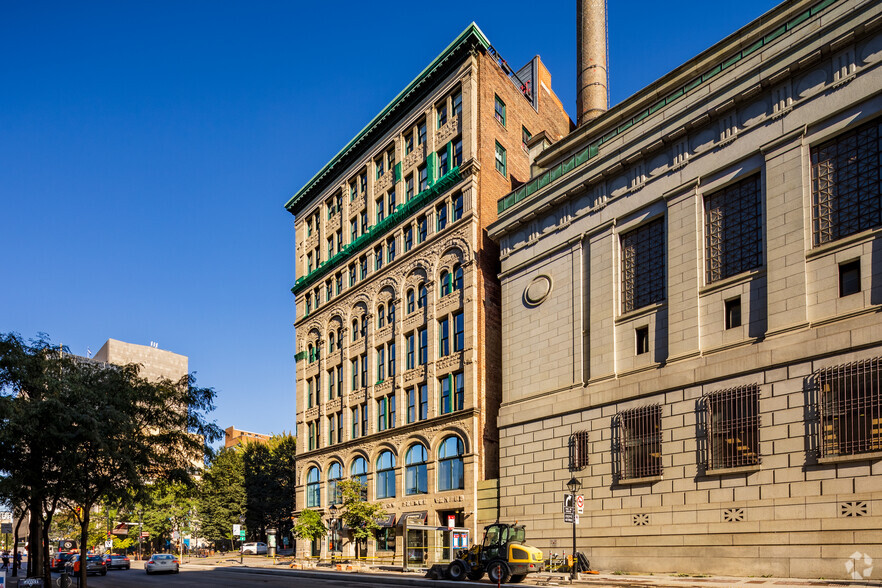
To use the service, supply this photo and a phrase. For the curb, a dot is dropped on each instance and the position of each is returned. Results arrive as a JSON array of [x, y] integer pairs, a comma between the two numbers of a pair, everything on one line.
[[351, 577]]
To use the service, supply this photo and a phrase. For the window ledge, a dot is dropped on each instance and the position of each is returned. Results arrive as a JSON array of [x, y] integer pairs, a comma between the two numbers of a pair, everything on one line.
[[634, 481], [644, 310], [871, 455], [833, 246], [738, 470], [742, 278]]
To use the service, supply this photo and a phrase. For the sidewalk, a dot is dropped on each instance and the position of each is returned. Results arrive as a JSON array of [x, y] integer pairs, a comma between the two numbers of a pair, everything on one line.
[[368, 575]]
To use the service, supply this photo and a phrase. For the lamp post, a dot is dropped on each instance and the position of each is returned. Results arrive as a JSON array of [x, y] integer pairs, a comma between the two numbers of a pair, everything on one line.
[[574, 485], [241, 543], [332, 510], [140, 533]]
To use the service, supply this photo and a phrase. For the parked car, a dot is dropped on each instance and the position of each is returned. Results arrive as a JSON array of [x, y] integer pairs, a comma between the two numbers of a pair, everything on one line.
[[258, 548], [56, 564], [162, 562], [117, 561], [94, 565]]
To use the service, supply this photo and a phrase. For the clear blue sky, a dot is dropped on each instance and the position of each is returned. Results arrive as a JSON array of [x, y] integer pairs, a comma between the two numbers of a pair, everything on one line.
[[147, 150]]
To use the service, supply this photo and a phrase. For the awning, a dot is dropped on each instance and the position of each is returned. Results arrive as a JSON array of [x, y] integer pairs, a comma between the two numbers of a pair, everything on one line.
[[413, 518], [121, 529], [388, 521]]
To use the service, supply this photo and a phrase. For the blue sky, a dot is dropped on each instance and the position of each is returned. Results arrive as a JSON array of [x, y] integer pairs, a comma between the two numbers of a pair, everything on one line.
[[147, 150]]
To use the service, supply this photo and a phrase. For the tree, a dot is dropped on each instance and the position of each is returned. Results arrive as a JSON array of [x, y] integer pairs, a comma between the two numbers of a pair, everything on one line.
[[309, 526], [86, 433], [269, 481], [221, 497], [359, 515]]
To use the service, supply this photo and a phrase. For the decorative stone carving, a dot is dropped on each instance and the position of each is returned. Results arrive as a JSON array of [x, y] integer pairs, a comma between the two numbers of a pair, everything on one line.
[[844, 66], [782, 99], [811, 83], [449, 303], [334, 222], [418, 155], [537, 290], [384, 182], [312, 413], [356, 397], [333, 405], [449, 363], [448, 131], [383, 387]]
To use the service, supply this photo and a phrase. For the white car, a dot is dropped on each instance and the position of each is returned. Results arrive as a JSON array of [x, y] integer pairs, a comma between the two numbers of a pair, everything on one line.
[[258, 548], [162, 562]]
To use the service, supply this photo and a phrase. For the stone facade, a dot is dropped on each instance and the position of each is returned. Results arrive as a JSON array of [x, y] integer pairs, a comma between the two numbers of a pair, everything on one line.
[[155, 363], [427, 372], [681, 265]]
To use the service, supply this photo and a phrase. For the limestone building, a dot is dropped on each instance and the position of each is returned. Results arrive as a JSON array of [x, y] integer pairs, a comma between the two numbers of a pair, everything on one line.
[[691, 295], [155, 363], [397, 298]]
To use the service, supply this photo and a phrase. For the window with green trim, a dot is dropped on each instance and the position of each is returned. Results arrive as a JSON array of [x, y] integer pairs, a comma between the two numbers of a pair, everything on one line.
[[380, 205], [500, 159], [456, 150], [441, 110], [423, 172], [443, 337], [408, 143], [421, 132], [457, 206], [499, 110], [456, 102], [441, 214], [408, 187], [525, 137]]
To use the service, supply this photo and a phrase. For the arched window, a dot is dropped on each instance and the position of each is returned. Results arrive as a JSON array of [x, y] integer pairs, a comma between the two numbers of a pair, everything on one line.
[[381, 316], [355, 330], [410, 301], [416, 480], [386, 475], [424, 294], [332, 341], [391, 313], [335, 474], [457, 277], [358, 471], [450, 468], [445, 283], [364, 325], [313, 488]]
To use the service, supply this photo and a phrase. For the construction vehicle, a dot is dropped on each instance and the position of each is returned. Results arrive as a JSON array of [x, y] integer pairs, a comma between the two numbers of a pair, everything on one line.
[[502, 555]]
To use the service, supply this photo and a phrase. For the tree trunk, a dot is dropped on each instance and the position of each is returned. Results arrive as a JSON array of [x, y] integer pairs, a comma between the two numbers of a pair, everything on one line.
[[44, 549], [84, 546], [15, 545]]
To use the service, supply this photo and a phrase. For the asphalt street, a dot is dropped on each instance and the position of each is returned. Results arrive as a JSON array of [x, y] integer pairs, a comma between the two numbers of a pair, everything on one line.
[[200, 577]]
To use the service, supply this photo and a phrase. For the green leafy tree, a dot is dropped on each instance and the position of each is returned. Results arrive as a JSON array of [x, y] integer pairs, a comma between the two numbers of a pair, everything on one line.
[[359, 515], [269, 484], [309, 526], [221, 496]]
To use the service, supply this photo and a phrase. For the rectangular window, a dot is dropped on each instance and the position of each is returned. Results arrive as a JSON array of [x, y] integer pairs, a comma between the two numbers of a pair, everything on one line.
[[411, 344], [308, 262], [457, 207], [390, 159], [353, 191], [443, 337], [354, 370], [643, 266], [441, 109], [733, 224], [443, 163], [380, 167], [850, 402], [390, 250], [364, 419], [579, 450], [332, 430], [363, 265], [340, 240], [733, 427], [457, 152], [456, 101], [411, 405], [351, 275], [733, 313], [639, 442], [381, 364], [846, 184], [642, 337], [378, 258], [339, 381], [424, 177], [363, 182], [499, 110], [381, 209], [330, 247], [441, 213], [381, 414], [331, 384], [338, 283], [850, 278], [424, 402], [500, 159], [340, 427], [329, 290], [355, 423], [385, 539], [444, 385], [408, 239], [408, 143], [422, 228], [423, 335], [458, 331], [408, 187], [421, 133], [390, 197], [310, 398], [458, 391], [364, 221], [391, 355], [354, 229], [525, 137], [392, 411], [364, 370]]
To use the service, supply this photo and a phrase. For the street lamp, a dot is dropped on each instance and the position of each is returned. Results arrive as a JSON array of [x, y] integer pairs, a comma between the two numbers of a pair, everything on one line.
[[574, 485], [241, 543], [332, 510]]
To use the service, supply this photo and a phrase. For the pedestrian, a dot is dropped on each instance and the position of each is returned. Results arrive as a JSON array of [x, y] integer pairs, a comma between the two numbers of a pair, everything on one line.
[[17, 560], [5, 565]]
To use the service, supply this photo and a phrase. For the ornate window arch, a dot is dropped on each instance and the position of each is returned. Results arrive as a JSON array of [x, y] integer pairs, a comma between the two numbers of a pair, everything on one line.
[[450, 464], [313, 488], [416, 480], [386, 475]]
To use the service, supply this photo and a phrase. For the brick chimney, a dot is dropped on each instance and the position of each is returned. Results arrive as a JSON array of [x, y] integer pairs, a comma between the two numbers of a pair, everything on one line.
[[591, 83]]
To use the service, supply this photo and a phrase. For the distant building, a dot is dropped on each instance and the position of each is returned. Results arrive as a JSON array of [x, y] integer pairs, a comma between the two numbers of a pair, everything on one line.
[[234, 437], [398, 297], [692, 312], [155, 363]]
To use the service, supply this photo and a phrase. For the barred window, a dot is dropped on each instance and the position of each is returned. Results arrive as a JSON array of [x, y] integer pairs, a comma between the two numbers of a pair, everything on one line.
[[850, 398], [639, 442], [643, 266], [847, 184], [733, 225], [733, 427], [578, 450]]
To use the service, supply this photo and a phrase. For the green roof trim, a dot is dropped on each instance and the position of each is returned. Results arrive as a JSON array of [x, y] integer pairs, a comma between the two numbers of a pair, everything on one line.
[[402, 211], [592, 150], [472, 36]]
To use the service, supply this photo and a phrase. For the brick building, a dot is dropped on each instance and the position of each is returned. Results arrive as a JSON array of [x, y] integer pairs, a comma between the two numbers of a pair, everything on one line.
[[691, 296], [397, 298], [234, 437]]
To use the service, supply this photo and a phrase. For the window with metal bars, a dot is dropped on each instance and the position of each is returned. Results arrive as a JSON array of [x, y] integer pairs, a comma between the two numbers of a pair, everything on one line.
[[733, 227], [643, 266], [578, 446], [732, 427], [850, 399], [847, 184], [639, 442]]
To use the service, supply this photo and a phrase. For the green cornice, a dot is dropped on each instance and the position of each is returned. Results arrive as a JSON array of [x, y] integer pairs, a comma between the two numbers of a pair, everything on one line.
[[471, 37]]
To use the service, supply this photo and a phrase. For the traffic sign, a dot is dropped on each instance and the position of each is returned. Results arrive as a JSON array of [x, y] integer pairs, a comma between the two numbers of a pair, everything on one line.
[[580, 504], [569, 517], [236, 528], [569, 510], [242, 535]]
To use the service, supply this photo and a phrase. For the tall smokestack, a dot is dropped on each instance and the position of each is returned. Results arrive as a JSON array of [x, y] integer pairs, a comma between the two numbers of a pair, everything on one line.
[[591, 49]]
